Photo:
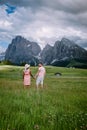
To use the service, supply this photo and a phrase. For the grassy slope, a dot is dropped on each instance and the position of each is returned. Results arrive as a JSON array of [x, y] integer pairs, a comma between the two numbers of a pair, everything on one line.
[[61, 105]]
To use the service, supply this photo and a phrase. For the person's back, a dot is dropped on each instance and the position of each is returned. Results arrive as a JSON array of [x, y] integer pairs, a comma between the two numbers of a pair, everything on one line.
[[40, 75], [26, 72], [27, 80], [41, 71], [27, 75]]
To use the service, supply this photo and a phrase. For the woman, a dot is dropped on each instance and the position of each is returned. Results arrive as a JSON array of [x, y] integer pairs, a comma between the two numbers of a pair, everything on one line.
[[27, 75]]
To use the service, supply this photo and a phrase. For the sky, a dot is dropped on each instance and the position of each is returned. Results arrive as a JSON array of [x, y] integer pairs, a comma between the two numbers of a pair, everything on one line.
[[43, 21]]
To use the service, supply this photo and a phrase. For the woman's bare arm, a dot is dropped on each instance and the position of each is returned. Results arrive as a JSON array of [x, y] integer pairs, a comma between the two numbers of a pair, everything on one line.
[[31, 75]]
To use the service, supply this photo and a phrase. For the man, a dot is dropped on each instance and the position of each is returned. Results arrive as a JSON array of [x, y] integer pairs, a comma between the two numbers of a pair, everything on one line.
[[40, 75]]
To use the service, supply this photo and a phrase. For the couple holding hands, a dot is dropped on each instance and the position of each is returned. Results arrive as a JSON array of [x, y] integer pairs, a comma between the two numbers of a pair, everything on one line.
[[39, 75]]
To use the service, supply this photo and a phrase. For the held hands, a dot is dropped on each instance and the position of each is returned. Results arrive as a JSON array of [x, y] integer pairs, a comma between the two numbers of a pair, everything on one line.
[[35, 76]]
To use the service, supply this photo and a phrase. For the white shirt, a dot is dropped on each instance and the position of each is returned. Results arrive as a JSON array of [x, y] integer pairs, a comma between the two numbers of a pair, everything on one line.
[[41, 71]]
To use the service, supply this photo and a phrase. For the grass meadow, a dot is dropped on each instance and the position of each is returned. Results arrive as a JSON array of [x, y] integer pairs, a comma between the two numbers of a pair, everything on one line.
[[61, 105]]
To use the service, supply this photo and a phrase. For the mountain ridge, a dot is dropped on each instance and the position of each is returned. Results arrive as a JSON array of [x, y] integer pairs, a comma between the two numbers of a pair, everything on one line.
[[23, 51], [64, 50]]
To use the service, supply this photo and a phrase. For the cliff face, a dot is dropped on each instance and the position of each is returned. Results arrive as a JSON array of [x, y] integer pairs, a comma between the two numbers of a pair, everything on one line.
[[61, 54], [47, 54], [63, 51], [22, 51]]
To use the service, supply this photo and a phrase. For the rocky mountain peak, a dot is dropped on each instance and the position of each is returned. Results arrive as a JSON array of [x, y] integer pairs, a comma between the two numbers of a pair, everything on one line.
[[19, 40], [22, 51], [67, 42], [63, 50], [47, 47]]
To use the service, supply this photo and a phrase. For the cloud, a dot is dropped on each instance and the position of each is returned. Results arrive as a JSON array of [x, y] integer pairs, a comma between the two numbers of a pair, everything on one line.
[[2, 49], [44, 21], [82, 43], [76, 6]]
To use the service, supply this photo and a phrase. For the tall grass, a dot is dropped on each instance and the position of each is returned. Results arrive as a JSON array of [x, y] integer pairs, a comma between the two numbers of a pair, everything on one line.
[[61, 105]]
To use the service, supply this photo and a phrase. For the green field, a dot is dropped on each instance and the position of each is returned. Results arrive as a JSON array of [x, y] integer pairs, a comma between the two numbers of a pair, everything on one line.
[[61, 105]]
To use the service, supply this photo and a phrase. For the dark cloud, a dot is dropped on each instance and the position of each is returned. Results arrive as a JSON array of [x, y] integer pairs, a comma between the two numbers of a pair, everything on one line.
[[45, 21], [23, 3], [79, 41], [82, 43], [77, 6], [74, 13]]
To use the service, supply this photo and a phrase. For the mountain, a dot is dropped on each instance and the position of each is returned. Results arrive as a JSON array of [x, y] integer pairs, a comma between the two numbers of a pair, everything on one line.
[[22, 51], [63, 53], [66, 49], [46, 54]]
